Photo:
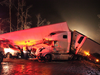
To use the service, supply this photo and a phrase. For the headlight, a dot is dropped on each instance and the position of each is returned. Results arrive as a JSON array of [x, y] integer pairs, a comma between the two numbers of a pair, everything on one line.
[[24, 52]]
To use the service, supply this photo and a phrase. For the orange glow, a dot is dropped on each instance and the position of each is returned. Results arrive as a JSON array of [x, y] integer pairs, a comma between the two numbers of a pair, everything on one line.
[[87, 53], [26, 42], [48, 38], [97, 60], [24, 48]]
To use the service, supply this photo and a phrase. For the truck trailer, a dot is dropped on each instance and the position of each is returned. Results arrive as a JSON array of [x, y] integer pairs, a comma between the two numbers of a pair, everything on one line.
[[89, 48], [33, 35]]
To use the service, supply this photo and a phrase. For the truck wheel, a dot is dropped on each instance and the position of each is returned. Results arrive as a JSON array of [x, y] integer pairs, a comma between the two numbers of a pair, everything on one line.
[[48, 57], [74, 58], [40, 59]]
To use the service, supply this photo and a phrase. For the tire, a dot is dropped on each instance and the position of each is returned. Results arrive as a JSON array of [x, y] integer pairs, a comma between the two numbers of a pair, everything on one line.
[[40, 59], [75, 58], [48, 58], [8, 55]]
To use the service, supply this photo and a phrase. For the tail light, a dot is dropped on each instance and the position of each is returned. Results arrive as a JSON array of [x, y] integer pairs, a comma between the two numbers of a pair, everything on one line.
[[97, 60]]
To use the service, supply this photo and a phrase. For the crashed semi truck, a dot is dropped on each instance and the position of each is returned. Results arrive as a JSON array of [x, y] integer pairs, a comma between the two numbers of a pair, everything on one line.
[[65, 45], [55, 41], [29, 37]]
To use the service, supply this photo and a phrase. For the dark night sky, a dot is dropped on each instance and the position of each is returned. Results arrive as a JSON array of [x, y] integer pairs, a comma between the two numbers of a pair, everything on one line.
[[80, 15]]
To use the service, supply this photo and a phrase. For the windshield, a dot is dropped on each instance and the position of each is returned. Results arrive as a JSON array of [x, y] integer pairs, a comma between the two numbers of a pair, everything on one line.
[[5, 46], [11, 46]]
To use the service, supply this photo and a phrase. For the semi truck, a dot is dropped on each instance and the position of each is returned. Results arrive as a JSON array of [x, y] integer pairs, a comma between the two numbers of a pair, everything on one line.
[[31, 36], [65, 45]]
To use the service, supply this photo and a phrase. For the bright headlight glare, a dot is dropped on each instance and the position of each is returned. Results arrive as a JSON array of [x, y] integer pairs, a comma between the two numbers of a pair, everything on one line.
[[24, 51]]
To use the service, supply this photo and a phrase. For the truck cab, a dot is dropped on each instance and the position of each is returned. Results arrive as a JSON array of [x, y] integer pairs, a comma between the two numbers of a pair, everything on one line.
[[55, 46]]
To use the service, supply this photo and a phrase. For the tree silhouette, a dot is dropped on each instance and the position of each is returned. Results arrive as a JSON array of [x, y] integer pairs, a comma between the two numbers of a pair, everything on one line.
[[40, 21], [22, 15]]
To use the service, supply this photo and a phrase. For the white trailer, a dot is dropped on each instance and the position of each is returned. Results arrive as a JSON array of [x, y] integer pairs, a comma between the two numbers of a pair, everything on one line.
[[89, 47], [33, 35]]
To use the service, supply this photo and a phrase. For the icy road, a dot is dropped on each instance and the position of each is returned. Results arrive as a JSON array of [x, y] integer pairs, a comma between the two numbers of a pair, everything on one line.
[[33, 67]]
